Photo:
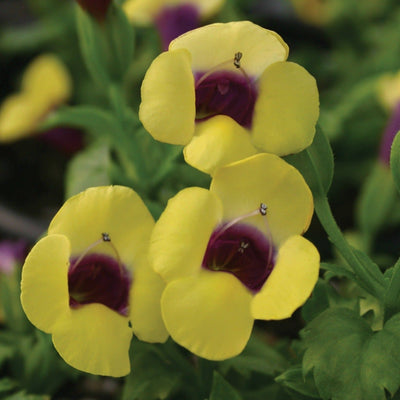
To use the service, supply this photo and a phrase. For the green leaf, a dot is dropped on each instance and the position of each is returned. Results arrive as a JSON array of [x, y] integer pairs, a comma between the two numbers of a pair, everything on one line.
[[349, 361], [107, 48], [121, 41], [258, 357], [92, 45], [6, 385], [87, 118], [222, 390], [88, 168], [376, 201], [317, 157], [293, 379], [333, 270], [25, 396], [392, 295], [395, 161]]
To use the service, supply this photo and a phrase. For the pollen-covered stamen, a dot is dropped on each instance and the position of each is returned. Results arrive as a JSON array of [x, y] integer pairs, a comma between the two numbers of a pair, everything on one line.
[[222, 91], [242, 250]]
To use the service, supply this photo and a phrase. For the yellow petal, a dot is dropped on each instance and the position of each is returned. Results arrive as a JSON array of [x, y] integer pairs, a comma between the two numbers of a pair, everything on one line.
[[286, 110], [259, 47], [181, 235], [265, 178], [218, 141], [144, 12], [145, 308], [115, 210], [388, 90], [44, 282], [94, 339], [209, 314], [47, 78], [168, 107], [291, 281], [20, 114]]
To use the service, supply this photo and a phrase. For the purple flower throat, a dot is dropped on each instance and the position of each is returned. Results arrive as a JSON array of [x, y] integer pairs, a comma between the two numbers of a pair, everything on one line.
[[225, 92], [243, 251], [99, 278]]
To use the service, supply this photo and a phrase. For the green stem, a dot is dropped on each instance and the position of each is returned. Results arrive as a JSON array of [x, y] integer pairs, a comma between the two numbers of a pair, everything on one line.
[[368, 279], [129, 152]]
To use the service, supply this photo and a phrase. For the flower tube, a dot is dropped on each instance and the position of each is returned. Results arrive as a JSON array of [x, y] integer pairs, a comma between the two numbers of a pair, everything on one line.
[[242, 78], [88, 282], [233, 254]]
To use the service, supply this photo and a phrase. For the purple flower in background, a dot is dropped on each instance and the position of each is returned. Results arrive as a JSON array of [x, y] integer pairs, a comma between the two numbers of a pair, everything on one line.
[[171, 17], [11, 253]]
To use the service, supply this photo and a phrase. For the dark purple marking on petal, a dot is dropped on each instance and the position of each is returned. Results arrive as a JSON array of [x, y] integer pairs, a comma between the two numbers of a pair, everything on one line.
[[227, 93], [243, 251], [99, 278], [392, 127], [173, 21]]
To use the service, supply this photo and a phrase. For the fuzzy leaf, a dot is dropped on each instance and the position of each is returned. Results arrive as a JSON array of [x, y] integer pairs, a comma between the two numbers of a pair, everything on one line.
[[349, 361]]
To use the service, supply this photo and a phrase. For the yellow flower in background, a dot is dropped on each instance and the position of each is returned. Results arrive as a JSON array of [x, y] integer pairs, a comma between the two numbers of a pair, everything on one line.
[[388, 90], [171, 17], [313, 12], [89, 284], [145, 12], [245, 80], [233, 254], [46, 84]]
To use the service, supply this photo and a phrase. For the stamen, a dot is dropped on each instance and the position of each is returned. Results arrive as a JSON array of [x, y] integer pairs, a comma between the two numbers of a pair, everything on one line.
[[262, 210], [236, 62], [237, 58], [105, 237]]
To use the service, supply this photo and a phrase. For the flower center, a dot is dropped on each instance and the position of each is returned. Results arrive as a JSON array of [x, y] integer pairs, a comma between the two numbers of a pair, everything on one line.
[[231, 93], [241, 250], [99, 278]]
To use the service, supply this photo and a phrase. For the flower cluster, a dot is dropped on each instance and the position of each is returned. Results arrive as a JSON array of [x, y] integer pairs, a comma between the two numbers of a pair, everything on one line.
[[217, 259]]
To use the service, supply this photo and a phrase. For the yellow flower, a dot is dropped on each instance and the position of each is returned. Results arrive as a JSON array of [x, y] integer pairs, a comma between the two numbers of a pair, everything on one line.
[[313, 12], [233, 254], [172, 17], [145, 12], [89, 284], [388, 89], [243, 78], [46, 84]]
